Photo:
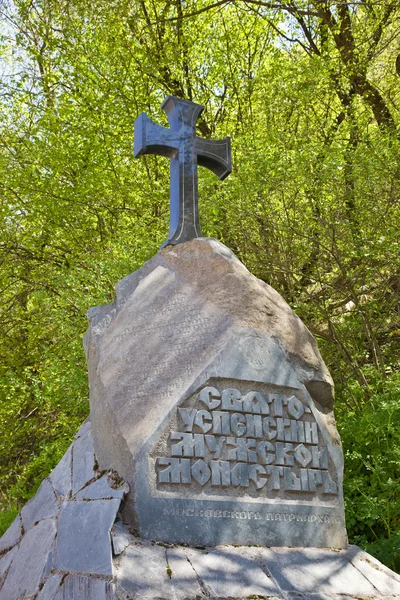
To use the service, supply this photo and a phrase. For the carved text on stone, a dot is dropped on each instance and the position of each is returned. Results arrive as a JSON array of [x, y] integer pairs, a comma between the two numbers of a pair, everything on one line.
[[244, 441]]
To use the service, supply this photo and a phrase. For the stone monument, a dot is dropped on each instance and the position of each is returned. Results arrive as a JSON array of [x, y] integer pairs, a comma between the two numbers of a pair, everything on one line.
[[211, 424], [208, 394]]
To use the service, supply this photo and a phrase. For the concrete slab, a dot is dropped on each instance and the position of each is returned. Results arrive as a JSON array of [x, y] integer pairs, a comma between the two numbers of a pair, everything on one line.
[[42, 506], [83, 540], [141, 572], [12, 535], [61, 476], [30, 562], [228, 573], [77, 587], [312, 569], [82, 461]]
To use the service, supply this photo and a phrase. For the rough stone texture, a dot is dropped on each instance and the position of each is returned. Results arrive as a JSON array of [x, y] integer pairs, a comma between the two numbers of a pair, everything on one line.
[[41, 506], [84, 429], [184, 578], [99, 489], [82, 461], [29, 566], [146, 570], [227, 573], [380, 576], [12, 535], [309, 569], [119, 538], [83, 540], [5, 562], [142, 572], [155, 571], [27, 571], [193, 318], [61, 476], [76, 587], [50, 588]]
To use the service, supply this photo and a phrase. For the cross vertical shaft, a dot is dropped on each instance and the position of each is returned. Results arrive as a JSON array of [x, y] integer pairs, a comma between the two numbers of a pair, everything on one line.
[[185, 151]]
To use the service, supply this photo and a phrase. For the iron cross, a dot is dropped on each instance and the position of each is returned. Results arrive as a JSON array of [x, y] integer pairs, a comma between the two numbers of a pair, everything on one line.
[[185, 150]]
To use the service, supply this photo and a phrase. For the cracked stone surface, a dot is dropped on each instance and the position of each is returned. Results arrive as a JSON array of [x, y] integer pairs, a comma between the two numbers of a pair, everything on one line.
[[82, 461], [31, 568], [228, 573], [184, 579], [5, 562], [85, 588], [119, 537], [43, 505], [151, 571], [12, 535], [61, 476], [142, 572], [78, 529], [310, 569], [83, 541], [30, 564], [100, 489], [50, 588]]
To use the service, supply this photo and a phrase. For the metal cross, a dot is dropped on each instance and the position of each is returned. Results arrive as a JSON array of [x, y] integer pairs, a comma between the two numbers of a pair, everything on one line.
[[185, 150]]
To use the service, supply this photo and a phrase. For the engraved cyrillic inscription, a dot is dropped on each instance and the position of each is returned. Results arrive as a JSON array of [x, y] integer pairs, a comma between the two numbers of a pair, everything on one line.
[[251, 515], [253, 441]]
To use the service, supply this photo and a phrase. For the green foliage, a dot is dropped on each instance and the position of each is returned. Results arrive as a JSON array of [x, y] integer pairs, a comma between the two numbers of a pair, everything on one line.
[[310, 97], [371, 444]]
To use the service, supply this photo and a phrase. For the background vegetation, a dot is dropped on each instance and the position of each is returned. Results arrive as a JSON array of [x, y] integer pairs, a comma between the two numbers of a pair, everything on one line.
[[309, 93]]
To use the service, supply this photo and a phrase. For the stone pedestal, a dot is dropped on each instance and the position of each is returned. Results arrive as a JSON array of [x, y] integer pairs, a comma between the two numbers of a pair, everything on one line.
[[209, 396]]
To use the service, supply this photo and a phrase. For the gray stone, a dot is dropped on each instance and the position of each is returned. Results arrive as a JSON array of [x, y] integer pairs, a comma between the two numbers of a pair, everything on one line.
[[210, 398], [142, 572], [12, 535], [184, 580], [314, 570], [83, 430], [119, 537], [61, 476], [228, 574], [83, 540], [50, 588], [30, 564], [382, 578], [82, 461], [100, 488], [42, 506], [5, 562], [76, 587]]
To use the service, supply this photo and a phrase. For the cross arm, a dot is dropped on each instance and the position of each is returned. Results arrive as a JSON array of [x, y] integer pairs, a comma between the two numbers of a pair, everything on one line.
[[215, 155], [151, 138]]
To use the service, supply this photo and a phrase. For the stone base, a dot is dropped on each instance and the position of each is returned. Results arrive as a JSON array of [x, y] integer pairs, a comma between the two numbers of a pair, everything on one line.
[[153, 571], [60, 548]]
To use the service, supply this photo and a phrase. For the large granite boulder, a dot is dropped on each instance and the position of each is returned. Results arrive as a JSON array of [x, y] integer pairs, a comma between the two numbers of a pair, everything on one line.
[[209, 396]]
